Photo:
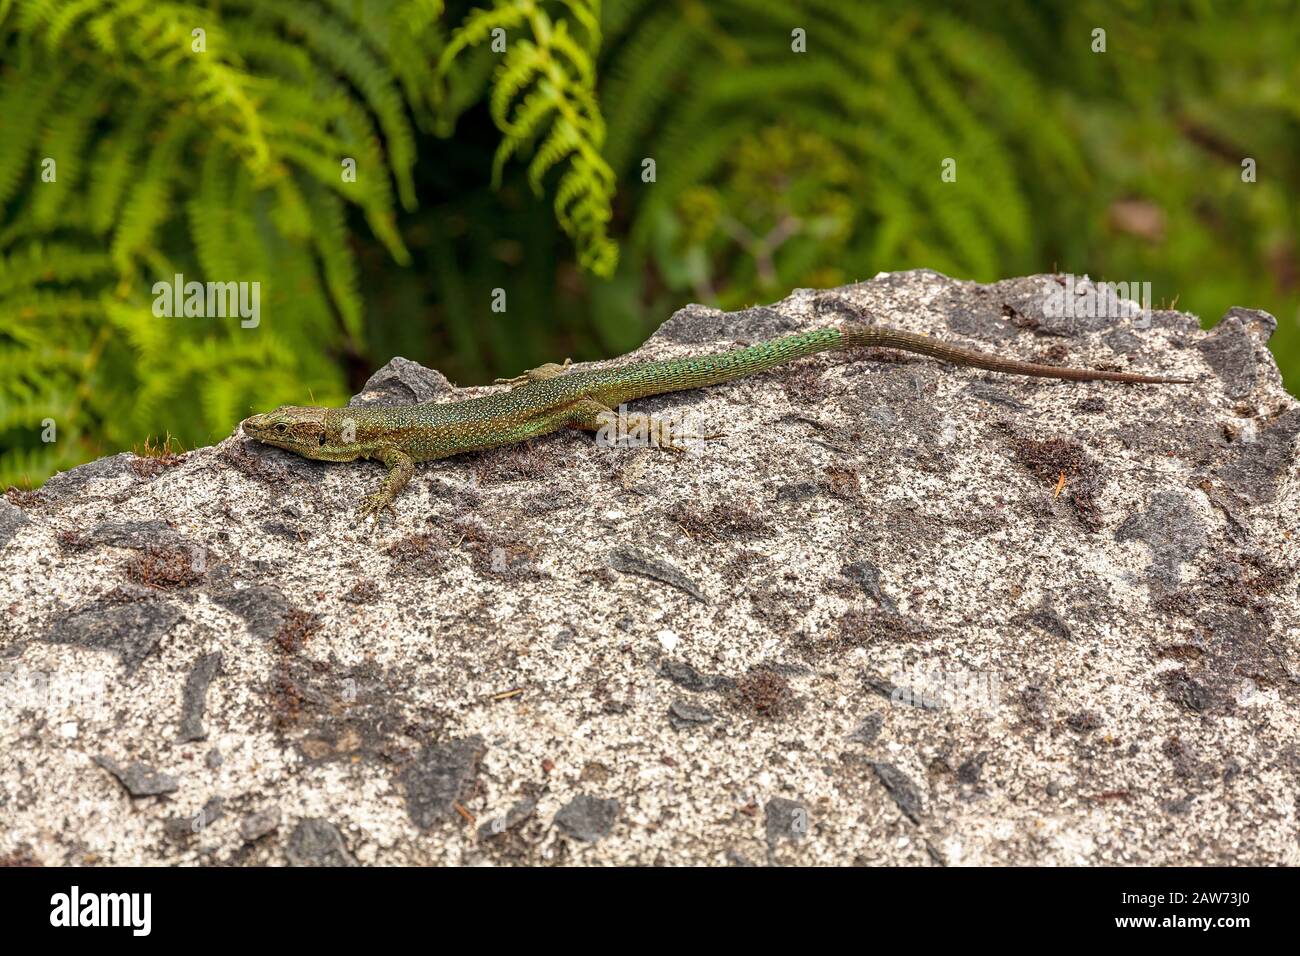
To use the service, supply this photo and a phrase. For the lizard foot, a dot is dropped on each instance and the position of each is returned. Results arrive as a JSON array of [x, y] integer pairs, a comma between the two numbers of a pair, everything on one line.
[[542, 372], [373, 507], [675, 434]]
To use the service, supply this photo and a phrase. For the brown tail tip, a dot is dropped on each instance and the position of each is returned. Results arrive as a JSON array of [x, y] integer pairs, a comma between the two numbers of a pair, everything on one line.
[[1162, 380]]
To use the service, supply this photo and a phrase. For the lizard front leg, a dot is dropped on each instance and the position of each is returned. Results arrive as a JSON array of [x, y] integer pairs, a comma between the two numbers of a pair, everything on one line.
[[400, 467]]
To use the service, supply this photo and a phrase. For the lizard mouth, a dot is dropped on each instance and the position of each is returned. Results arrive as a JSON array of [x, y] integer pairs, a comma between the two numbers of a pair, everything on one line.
[[260, 429], [256, 427]]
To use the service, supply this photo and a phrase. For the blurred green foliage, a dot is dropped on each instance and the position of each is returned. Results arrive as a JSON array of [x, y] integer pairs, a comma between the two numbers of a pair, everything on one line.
[[772, 169]]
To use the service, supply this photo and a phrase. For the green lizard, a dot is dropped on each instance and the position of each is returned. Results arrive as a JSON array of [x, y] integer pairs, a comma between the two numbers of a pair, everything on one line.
[[549, 398]]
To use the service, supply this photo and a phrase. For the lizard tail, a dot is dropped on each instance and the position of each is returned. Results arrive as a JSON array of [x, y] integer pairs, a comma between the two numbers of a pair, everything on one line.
[[674, 375], [859, 334]]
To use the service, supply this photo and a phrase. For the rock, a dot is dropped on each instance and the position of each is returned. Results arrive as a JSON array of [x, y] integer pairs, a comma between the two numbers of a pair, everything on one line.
[[262, 823], [138, 779], [1256, 469], [866, 575], [182, 830], [11, 519], [587, 818], [518, 813], [114, 471], [1231, 349], [970, 770], [131, 630], [869, 729], [1123, 645], [1171, 528], [130, 534], [682, 714], [785, 820], [195, 700], [630, 561], [438, 777], [900, 787], [698, 324], [403, 382], [317, 842], [684, 675], [263, 608]]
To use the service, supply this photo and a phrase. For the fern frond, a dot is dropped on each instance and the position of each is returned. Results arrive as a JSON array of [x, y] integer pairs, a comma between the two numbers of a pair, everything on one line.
[[562, 140], [550, 79], [35, 263], [24, 100], [148, 204], [349, 57], [67, 133], [478, 26], [330, 235]]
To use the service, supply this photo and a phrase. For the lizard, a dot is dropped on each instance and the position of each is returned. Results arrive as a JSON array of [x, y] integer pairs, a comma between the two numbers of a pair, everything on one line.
[[551, 397]]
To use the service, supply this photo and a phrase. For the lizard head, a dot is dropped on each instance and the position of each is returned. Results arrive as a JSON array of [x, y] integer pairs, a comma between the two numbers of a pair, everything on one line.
[[318, 433]]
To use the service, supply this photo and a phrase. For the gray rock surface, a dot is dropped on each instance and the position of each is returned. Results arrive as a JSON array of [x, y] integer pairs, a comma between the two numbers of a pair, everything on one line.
[[899, 613]]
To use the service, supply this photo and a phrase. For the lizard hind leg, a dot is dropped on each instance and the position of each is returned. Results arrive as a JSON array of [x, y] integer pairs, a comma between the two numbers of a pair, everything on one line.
[[633, 429], [539, 374]]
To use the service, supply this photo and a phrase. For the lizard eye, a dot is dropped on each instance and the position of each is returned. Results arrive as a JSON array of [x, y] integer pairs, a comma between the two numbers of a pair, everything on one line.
[[282, 428]]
